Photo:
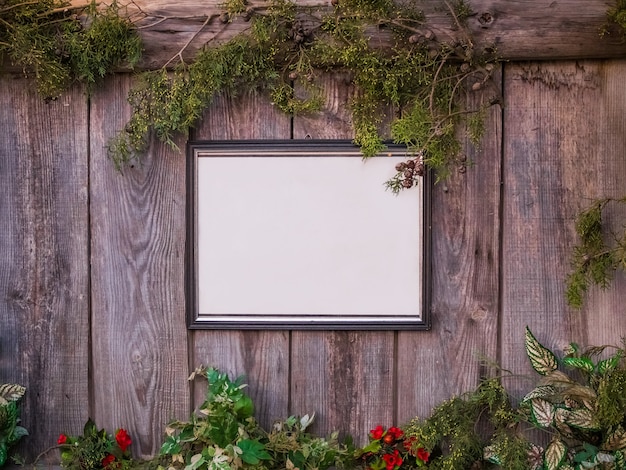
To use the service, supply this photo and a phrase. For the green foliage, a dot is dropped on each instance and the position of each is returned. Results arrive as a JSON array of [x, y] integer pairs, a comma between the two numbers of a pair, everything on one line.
[[60, 44], [223, 435], [597, 256], [10, 430], [451, 432], [286, 48], [582, 408]]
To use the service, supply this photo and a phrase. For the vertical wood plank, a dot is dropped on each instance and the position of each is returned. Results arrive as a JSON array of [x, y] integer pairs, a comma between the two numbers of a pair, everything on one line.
[[262, 357], [44, 267], [464, 257], [563, 147], [139, 331], [346, 378]]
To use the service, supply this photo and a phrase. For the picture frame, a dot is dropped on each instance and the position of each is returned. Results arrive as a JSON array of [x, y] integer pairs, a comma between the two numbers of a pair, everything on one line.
[[303, 234]]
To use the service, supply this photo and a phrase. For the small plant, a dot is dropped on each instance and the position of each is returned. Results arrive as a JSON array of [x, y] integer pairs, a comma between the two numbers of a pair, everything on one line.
[[390, 449], [96, 450], [584, 410], [223, 435], [579, 401], [10, 430], [599, 253]]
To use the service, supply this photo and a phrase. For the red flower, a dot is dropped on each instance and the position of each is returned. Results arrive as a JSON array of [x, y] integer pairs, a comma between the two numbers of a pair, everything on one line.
[[423, 454], [377, 432], [397, 433], [123, 439], [108, 460], [62, 439], [392, 460]]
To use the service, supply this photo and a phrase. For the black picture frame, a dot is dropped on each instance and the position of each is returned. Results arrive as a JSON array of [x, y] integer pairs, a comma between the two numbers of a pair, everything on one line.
[[287, 151]]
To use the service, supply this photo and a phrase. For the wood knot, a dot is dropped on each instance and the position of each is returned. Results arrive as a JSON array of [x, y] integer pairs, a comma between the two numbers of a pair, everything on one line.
[[485, 19], [479, 315]]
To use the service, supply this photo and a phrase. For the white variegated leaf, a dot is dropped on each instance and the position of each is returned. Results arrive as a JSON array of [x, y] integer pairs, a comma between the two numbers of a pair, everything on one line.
[[542, 359], [542, 391], [555, 454], [582, 418], [616, 440], [542, 412]]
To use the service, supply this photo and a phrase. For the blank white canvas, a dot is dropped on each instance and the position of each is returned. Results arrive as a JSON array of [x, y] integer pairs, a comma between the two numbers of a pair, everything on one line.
[[291, 235]]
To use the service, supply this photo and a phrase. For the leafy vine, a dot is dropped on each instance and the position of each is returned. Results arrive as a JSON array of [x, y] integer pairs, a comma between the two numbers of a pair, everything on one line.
[[285, 48]]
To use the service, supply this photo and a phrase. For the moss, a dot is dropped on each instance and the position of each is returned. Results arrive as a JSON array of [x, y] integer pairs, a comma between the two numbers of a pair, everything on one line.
[[287, 46], [60, 44]]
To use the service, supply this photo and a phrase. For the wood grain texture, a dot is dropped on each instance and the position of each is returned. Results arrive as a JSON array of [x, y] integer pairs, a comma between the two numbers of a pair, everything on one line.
[[262, 357], [139, 336], [516, 30], [247, 115], [564, 143], [345, 377], [464, 257], [44, 268]]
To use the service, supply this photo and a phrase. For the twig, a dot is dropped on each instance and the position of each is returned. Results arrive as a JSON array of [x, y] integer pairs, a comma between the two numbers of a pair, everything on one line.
[[17, 5], [179, 54], [458, 23], [65, 9], [431, 98]]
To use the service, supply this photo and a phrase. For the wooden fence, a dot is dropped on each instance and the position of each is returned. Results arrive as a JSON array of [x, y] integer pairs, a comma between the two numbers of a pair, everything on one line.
[[92, 291]]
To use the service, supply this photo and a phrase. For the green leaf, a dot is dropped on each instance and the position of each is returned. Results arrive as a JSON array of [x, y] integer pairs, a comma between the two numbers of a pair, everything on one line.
[[197, 461], [554, 455], [607, 365], [615, 440], [18, 433], [581, 363], [542, 412], [582, 418], [11, 392], [171, 446], [541, 358], [252, 451], [244, 407], [542, 391]]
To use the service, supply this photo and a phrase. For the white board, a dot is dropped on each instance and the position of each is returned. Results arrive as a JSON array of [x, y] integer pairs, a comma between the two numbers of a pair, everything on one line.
[[293, 238]]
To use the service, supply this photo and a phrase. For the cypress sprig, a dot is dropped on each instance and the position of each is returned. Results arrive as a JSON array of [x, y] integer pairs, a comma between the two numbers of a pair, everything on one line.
[[598, 254], [60, 44]]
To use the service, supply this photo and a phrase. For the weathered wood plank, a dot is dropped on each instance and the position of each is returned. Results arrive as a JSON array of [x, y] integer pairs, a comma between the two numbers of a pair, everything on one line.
[[261, 356], [564, 143], [529, 29], [465, 263], [44, 268], [346, 378], [139, 339]]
